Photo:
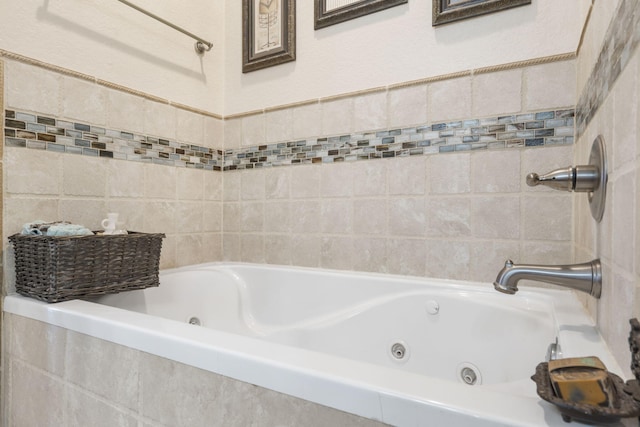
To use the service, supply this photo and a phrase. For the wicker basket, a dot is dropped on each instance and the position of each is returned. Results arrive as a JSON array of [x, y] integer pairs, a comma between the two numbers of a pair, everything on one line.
[[53, 268]]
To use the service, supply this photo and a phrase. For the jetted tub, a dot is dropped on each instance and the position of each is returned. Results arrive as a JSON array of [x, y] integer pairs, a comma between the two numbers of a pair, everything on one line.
[[405, 351]]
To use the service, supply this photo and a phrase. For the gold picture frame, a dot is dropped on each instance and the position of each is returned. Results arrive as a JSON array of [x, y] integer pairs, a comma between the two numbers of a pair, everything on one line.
[[269, 33], [330, 12], [445, 11]]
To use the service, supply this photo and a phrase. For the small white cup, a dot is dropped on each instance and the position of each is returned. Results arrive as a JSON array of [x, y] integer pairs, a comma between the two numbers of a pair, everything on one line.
[[109, 223]]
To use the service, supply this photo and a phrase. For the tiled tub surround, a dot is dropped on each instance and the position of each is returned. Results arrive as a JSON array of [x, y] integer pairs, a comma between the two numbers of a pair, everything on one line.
[[70, 376], [608, 106]]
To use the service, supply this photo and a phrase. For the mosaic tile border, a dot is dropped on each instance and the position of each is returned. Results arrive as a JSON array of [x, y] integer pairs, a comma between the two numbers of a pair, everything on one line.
[[554, 127], [621, 39], [47, 133]]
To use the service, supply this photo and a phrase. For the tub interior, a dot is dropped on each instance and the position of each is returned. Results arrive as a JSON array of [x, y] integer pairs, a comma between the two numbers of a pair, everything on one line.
[[440, 330]]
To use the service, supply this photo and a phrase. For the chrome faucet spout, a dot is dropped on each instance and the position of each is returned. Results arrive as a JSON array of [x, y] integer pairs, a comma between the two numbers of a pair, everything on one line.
[[586, 277]]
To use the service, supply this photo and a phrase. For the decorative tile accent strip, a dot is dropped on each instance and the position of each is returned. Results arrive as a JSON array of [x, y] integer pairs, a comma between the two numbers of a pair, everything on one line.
[[522, 130], [621, 39], [29, 130], [47, 133]]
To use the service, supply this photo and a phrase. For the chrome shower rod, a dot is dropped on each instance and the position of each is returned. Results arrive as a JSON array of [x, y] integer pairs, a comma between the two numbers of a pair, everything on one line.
[[201, 45]]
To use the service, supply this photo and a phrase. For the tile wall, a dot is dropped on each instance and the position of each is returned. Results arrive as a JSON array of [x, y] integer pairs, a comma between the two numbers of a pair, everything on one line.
[[453, 214], [94, 149], [609, 66], [434, 203], [69, 376]]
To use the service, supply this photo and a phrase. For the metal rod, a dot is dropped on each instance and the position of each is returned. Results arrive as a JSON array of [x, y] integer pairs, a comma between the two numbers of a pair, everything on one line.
[[201, 44]]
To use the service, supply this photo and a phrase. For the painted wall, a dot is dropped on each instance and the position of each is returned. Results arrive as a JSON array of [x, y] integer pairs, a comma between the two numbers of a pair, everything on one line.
[[113, 42], [393, 46]]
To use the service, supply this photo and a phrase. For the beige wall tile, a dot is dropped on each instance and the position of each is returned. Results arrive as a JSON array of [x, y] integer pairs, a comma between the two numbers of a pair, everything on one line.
[[160, 217], [87, 212], [213, 217], [487, 258], [450, 173], [84, 176], [305, 216], [495, 172], [213, 133], [369, 178], [231, 247], [450, 99], [232, 133], [125, 111], [277, 216], [90, 364], [278, 183], [189, 217], [547, 217], [450, 217], [83, 409], [277, 248], [550, 85], [253, 130], [231, 186], [407, 256], [160, 120], [370, 216], [407, 106], [33, 172], [337, 116], [125, 179], [131, 213], [372, 254], [252, 248], [305, 250], [32, 88], [305, 181], [497, 93], [252, 216], [160, 182], [189, 248], [190, 183], [30, 385], [336, 216], [279, 125], [38, 344], [370, 111], [625, 121], [407, 176], [336, 252], [307, 121], [176, 394], [231, 217], [252, 185], [625, 225], [189, 127], [18, 212], [496, 217], [336, 180], [448, 259], [213, 186], [212, 247], [407, 217], [83, 101]]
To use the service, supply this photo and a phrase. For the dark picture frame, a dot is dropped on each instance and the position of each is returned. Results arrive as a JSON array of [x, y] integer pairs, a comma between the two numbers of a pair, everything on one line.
[[355, 9], [445, 11], [268, 33]]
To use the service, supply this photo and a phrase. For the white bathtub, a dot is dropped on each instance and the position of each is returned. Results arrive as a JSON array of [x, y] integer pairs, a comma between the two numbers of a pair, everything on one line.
[[335, 338]]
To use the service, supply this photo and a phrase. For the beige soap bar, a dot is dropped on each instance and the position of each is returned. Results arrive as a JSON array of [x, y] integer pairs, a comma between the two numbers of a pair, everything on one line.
[[581, 380]]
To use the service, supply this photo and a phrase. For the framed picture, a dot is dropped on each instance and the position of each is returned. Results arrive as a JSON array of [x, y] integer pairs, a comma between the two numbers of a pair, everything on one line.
[[268, 33], [329, 12], [445, 11]]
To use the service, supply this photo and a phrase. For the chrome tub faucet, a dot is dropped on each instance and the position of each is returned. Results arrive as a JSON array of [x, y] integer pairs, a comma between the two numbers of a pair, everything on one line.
[[586, 277]]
